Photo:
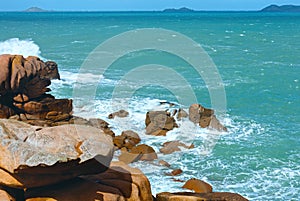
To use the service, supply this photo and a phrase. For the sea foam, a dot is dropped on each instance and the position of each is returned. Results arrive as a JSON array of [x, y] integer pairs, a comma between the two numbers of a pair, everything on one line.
[[22, 47]]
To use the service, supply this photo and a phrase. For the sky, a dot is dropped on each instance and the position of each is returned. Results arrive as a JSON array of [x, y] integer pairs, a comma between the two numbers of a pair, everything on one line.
[[133, 5]]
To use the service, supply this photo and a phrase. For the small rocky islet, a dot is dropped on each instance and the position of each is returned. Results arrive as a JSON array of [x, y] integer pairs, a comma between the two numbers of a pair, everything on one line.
[[47, 153]]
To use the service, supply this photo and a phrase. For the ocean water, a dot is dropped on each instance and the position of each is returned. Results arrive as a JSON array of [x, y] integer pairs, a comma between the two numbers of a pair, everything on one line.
[[258, 59]]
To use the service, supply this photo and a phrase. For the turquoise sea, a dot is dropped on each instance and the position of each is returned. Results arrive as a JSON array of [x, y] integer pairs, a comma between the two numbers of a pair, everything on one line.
[[257, 56]]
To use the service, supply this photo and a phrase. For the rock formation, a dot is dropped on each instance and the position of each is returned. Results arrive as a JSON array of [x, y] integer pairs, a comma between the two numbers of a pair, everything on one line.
[[119, 183], [120, 114], [4, 196], [199, 196], [127, 139], [23, 87], [205, 118], [158, 123], [182, 114], [46, 153], [32, 156], [198, 186], [141, 152], [172, 146]]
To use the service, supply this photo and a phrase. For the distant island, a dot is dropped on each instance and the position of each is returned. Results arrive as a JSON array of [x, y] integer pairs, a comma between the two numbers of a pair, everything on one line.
[[270, 8], [283, 8], [180, 10], [35, 9]]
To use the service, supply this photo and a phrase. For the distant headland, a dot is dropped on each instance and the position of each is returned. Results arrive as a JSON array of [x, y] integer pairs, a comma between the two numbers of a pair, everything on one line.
[[270, 8], [35, 9], [179, 10], [283, 8]]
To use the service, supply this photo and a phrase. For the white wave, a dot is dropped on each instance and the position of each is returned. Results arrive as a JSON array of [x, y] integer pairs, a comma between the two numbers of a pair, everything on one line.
[[77, 41], [22, 47]]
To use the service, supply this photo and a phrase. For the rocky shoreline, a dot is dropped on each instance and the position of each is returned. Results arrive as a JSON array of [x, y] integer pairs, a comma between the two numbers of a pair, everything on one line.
[[49, 154]]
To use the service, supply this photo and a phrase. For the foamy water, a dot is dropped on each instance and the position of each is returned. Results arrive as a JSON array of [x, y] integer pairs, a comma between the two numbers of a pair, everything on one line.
[[22, 47]]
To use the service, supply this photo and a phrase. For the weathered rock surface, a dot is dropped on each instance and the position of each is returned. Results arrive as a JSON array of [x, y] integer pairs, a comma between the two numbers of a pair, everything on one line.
[[96, 123], [33, 156], [140, 152], [182, 114], [119, 183], [205, 117], [127, 139], [158, 123], [198, 186], [173, 146], [23, 87], [101, 124], [4, 196], [186, 196], [148, 153]]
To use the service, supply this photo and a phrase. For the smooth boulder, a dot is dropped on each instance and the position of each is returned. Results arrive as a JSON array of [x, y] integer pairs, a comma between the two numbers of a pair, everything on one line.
[[141, 152], [198, 186], [186, 196]]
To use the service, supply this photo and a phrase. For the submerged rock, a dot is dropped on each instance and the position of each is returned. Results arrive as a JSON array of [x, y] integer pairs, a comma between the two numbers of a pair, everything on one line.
[[175, 172], [164, 163], [32, 156], [173, 146], [120, 114]]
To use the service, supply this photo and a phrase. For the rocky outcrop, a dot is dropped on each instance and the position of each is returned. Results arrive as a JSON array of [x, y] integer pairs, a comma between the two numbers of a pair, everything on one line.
[[158, 123], [205, 118], [119, 183], [23, 87], [34, 156], [186, 196], [52, 155]]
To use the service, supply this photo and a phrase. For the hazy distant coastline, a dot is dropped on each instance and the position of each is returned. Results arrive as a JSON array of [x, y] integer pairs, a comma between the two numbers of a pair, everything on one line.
[[283, 8], [35, 9], [270, 8]]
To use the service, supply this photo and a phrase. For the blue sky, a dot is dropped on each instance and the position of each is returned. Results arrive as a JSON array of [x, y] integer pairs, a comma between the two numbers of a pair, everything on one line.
[[117, 5]]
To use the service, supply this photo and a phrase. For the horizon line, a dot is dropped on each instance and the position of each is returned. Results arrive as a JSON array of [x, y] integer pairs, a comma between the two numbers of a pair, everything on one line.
[[174, 10]]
